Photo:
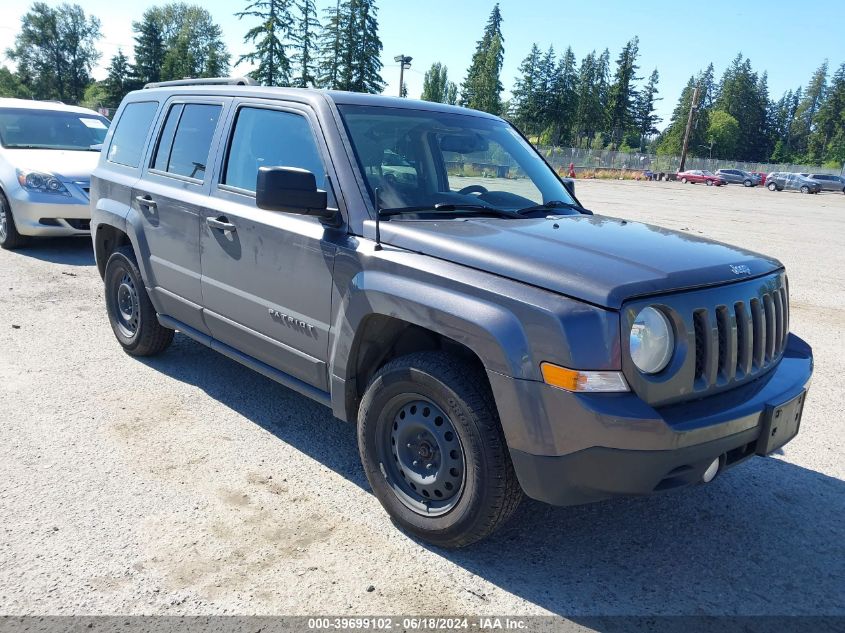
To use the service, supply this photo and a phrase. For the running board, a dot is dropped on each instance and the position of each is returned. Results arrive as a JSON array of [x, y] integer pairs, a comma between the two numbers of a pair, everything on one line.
[[272, 373]]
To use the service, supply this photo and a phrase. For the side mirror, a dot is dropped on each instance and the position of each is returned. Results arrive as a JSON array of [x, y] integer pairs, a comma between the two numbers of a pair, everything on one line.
[[291, 190], [569, 183]]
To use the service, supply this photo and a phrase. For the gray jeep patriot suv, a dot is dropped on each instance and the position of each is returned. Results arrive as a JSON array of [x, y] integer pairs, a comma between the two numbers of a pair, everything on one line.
[[420, 269]]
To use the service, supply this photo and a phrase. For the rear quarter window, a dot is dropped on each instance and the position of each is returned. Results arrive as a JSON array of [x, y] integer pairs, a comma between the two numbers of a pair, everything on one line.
[[130, 134]]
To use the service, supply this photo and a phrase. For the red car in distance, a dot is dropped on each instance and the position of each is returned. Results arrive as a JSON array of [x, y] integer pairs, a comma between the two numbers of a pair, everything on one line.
[[700, 175]]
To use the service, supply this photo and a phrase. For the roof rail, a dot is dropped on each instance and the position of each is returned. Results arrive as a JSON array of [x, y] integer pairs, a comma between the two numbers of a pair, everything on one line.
[[206, 81]]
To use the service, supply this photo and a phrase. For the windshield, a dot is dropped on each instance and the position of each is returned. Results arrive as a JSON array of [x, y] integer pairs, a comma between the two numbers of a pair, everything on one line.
[[418, 158], [21, 128]]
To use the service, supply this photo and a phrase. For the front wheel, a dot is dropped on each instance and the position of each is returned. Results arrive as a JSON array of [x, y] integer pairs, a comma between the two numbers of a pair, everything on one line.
[[684, 180], [805, 189], [747, 183], [9, 237], [772, 186], [709, 183], [433, 449], [131, 314]]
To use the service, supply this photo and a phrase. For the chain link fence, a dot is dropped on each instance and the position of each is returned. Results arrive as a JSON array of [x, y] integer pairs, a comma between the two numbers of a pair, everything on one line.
[[593, 160]]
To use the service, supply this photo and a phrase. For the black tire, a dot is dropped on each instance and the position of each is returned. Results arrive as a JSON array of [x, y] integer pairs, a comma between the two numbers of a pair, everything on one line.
[[772, 186], [10, 239], [131, 314], [488, 491], [747, 183], [684, 180], [805, 189], [709, 183]]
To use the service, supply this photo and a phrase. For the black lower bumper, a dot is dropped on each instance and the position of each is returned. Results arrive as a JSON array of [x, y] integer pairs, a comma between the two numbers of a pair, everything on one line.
[[603, 447], [600, 473]]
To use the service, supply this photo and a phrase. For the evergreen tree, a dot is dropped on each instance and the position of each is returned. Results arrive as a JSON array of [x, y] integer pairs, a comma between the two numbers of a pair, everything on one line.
[[740, 95], [329, 66], [178, 40], [366, 61], [304, 43], [275, 25], [482, 88], [592, 98], [545, 85], [811, 101], [118, 82], [622, 96], [564, 107], [350, 47], [645, 120], [525, 104], [827, 140], [149, 47]]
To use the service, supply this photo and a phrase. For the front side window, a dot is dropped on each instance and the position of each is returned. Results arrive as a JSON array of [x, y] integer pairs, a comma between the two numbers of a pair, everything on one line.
[[419, 158], [271, 138], [186, 139]]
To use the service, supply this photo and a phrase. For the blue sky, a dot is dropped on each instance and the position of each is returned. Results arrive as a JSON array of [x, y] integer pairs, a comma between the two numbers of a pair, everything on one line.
[[674, 38]]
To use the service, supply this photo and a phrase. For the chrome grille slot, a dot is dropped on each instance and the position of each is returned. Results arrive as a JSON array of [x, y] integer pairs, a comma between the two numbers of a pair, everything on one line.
[[744, 340], [758, 334]]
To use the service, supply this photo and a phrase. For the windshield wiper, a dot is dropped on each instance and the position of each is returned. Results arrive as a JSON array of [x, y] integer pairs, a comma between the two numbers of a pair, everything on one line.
[[554, 204], [448, 207]]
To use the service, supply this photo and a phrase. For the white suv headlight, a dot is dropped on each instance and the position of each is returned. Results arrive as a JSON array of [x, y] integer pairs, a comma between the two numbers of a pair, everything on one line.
[[41, 182], [652, 341]]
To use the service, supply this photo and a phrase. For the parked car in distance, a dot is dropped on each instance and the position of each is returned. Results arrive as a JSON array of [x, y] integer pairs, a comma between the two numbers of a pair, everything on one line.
[[829, 182], [738, 177], [489, 336], [694, 176], [47, 153], [762, 176], [781, 180]]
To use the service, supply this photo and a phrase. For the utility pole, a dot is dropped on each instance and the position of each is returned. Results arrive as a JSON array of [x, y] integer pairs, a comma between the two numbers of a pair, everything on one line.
[[404, 64], [689, 128]]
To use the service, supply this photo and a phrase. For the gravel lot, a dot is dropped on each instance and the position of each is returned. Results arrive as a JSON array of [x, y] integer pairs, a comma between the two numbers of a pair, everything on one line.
[[186, 484]]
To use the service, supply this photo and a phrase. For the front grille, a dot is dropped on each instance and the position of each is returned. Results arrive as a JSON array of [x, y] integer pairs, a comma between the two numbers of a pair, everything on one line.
[[726, 335], [737, 340]]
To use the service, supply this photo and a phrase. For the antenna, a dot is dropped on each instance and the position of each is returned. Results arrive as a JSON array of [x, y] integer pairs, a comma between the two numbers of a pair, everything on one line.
[[378, 218]]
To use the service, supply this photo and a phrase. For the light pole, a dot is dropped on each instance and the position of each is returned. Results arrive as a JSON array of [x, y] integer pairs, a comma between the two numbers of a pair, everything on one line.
[[404, 64]]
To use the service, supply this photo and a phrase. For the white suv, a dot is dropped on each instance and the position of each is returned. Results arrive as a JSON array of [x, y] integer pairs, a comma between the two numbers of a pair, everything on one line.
[[47, 153]]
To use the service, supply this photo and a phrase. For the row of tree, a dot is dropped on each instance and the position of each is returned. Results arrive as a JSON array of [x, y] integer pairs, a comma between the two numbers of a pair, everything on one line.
[[735, 118], [555, 99]]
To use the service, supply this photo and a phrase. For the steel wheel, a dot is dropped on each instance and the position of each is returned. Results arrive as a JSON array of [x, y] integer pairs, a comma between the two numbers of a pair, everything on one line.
[[423, 454], [127, 312]]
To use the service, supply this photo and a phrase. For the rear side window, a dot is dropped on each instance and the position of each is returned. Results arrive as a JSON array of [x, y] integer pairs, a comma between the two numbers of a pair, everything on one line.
[[186, 139], [130, 135], [271, 138]]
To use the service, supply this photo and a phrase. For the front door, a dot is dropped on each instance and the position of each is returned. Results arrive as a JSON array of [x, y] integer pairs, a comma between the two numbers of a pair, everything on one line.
[[170, 197], [266, 275]]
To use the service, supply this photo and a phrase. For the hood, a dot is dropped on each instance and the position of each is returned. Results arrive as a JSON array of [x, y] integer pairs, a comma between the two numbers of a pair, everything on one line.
[[66, 165], [593, 258]]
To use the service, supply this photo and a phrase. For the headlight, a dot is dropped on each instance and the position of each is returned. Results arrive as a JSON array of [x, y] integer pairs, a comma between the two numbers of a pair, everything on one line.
[[41, 182], [652, 341]]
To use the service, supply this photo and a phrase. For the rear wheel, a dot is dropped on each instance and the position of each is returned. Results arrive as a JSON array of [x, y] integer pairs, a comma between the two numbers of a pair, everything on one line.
[[433, 449], [131, 314], [772, 186], [9, 237]]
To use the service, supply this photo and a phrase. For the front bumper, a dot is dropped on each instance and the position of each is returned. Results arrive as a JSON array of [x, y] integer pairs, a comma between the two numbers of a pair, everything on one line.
[[570, 448], [43, 214]]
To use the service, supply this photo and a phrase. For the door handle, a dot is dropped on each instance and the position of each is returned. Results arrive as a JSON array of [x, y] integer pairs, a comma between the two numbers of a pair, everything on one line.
[[221, 224], [145, 201]]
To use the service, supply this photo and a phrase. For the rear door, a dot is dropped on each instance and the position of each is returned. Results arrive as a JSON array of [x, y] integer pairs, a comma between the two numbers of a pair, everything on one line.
[[171, 196], [267, 275]]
